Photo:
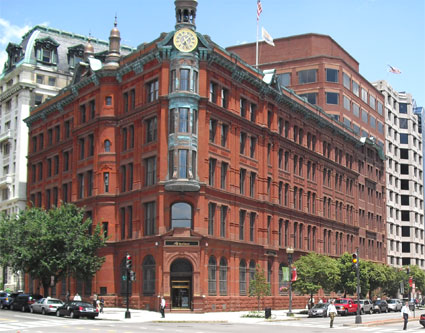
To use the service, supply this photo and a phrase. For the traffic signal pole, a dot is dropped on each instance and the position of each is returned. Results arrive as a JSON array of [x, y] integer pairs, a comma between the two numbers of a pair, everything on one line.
[[128, 264], [358, 315]]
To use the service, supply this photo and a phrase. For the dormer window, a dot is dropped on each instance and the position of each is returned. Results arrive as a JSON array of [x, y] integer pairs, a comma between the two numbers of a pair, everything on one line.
[[75, 55], [46, 51], [15, 54]]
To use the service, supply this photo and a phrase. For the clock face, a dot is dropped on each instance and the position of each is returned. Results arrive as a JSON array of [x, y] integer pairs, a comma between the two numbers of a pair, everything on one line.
[[185, 40]]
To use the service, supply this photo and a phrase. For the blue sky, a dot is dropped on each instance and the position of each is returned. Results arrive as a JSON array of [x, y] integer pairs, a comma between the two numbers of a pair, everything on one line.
[[374, 32]]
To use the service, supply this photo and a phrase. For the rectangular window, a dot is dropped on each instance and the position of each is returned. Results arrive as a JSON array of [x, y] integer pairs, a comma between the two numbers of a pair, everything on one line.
[[211, 218], [89, 183], [242, 176], [211, 177], [402, 107], [150, 167], [57, 133], [242, 142], [310, 97], [184, 120], [243, 106], [183, 166], [252, 226], [284, 79], [223, 218], [213, 92], [252, 177], [106, 182], [372, 102], [184, 79], [39, 79], [125, 101], [347, 103], [224, 98], [307, 76], [151, 130], [364, 116], [380, 108], [91, 145], [80, 186], [56, 164], [152, 91], [150, 218], [364, 95], [223, 179], [130, 176], [81, 147], [224, 133], [253, 144], [242, 214], [213, 129], [356, 88], [347, 122], [331, 75], [346, 80], [332, 98], [132, 99], [253, 112], [356, 110]]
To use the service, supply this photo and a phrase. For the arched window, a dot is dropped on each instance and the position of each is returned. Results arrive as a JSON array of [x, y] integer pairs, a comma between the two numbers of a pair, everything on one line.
[[181, 215], [123, 272], [212, 276], [223, 276], [242, 278], [107, 145], [148, 268]]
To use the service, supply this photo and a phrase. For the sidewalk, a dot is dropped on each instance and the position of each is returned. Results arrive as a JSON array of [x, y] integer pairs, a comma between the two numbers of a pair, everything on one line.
[[118, 314]]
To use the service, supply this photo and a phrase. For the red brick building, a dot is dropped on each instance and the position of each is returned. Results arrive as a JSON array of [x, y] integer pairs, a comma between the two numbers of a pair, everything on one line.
[[200, 167]]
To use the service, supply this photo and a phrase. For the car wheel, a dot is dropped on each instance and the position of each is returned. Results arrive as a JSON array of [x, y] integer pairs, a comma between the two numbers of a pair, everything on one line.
[[58, 314], [31, 310], [346, 312], [1, 306], [23, 308], [361, 311], [43, 311]]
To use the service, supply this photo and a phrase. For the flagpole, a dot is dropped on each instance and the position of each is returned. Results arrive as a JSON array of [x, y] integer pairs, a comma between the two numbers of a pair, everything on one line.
[[256, 48]]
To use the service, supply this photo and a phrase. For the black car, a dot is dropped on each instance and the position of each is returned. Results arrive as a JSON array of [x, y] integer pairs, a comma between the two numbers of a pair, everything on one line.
[[380, 305], [23, 301], [6, 299], [76, 309], [422, 320]]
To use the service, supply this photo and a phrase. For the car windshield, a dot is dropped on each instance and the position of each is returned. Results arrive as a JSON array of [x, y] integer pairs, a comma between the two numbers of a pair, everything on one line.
[[320, 305], [391, 301], [83, 304], [54, 301], [341, 301]]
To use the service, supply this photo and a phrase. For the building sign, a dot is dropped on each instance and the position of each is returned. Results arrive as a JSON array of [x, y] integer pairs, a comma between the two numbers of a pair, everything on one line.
[[181, 243]]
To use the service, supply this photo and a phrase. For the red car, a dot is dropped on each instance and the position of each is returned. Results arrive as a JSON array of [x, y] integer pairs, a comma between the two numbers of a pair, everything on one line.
[[422, 320], [344, 306]]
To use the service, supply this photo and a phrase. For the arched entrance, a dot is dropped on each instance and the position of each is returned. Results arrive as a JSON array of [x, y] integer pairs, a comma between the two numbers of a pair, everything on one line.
[[181, 284]]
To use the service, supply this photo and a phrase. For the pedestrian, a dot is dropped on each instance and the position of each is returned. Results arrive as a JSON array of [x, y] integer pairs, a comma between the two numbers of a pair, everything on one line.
[[405, 311], [98, 305], [320, 301], [67, 296], [102, 304], [162, 307], [94, 300], [77, 297], [332, 313]]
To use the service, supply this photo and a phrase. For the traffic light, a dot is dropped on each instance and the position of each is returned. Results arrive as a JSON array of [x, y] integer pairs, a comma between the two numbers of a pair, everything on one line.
[[128, 261], [355, 260]]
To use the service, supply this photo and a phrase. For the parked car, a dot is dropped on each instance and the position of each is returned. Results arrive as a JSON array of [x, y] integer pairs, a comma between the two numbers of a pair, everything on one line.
[[394, 304], [46, 305], [344, 306], [365, 306], [76, 309], [23, 301], [319, 310], [6, 299], [422, 320], [380, 305]]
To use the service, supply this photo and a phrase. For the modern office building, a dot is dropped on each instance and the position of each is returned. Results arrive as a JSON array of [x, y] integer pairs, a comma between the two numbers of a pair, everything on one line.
[[404, 165], [318, 69], [36, 69], [202, 167]]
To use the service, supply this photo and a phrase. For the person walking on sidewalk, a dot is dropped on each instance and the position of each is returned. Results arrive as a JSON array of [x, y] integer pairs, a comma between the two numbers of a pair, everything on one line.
[[162, 307], [405, 311], [332, 313]]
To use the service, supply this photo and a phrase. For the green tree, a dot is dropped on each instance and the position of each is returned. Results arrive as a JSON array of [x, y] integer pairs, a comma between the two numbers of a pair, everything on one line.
[[52, 244], [418, 277], [315, 271], [377, 276], [259, 287], [348, 278], [392, 283]]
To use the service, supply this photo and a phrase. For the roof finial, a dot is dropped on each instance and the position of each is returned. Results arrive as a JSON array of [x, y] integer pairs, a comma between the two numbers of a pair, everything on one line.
[[115, 23]]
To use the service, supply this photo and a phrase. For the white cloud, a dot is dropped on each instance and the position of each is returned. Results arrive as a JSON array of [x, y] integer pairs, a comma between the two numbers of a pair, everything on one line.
[[9, 33]]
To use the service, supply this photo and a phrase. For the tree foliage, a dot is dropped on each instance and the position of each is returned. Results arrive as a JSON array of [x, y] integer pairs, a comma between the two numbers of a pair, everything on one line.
[[316, 271], [54, 243], [259, 287]]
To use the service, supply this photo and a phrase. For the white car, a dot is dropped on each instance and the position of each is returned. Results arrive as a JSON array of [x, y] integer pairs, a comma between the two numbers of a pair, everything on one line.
[[394, 305], [46, 305]]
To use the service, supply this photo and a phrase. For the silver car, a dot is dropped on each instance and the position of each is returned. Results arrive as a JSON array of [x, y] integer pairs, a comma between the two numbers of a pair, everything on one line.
[[46, 305], [394, 305], [365, 306]]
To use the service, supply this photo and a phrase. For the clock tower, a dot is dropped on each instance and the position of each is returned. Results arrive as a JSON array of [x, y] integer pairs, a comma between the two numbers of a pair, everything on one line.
[[183, 102]]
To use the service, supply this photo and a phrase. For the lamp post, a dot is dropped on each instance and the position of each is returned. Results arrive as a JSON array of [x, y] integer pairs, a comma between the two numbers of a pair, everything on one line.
[[290, 251]]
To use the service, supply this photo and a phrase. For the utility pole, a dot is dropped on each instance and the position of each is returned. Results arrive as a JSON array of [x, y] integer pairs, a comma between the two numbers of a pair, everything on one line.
[[356, 265], [128, 264]]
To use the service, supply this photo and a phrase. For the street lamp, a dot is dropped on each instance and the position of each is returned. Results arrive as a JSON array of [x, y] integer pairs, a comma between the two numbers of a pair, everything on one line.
[[290, 251]]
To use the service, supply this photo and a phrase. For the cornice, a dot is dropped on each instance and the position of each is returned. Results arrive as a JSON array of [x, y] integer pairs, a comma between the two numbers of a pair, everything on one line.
[[14, 89]]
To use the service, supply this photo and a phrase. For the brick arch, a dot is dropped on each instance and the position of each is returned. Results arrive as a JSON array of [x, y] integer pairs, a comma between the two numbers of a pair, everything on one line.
[[193, 258]]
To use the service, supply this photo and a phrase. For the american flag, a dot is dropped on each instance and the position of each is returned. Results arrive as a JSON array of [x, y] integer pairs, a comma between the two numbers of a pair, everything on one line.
[[394, 70], [259, 9]]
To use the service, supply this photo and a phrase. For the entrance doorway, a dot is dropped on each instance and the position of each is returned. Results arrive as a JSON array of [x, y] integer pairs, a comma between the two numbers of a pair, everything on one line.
[[181, 284]]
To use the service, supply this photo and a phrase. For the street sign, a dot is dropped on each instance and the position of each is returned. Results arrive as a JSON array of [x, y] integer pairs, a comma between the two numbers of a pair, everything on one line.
[[124, 277]]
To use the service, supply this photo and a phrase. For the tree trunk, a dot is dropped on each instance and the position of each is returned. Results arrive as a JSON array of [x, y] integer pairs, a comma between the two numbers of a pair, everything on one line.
[[46, 288], [258, 298]]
